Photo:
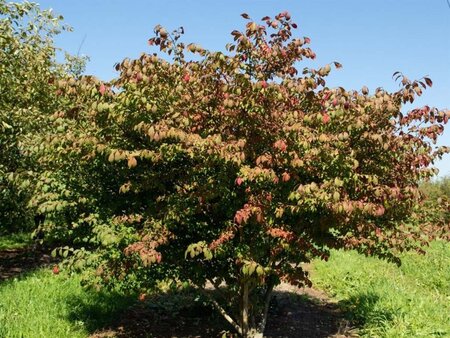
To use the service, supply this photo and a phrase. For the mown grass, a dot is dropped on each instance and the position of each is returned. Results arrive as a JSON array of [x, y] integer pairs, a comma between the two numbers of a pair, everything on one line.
[[17, 240], [42, 304], [382, 299], [389, 301]]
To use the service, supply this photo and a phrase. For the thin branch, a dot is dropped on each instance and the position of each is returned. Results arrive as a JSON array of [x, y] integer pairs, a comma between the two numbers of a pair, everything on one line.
[[245, 292], [81, 45], [221, 310], [267, 299]]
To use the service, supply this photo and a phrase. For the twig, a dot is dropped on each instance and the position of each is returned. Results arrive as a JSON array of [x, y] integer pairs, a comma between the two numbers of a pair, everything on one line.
[[81, 44], [221, 310]]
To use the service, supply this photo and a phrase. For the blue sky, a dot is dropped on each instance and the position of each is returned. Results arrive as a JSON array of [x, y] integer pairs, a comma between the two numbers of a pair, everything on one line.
[[372, 39]]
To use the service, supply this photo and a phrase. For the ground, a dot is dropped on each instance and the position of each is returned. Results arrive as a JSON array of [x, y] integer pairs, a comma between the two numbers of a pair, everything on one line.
[[14, 262], [294, 312]]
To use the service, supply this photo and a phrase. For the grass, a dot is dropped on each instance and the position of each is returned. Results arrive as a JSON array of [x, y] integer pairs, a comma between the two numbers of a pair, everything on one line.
[[41, 304], [382, 299], [18, 240], [389, 301]]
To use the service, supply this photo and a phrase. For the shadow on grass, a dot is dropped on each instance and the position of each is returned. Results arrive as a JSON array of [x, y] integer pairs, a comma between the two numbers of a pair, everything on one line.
[[183, 314], [175, 314], [99, 309], [361, 309]]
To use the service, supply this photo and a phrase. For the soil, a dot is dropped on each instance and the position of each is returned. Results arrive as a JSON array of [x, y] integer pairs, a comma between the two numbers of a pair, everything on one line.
[[14, 262], [294, 313]]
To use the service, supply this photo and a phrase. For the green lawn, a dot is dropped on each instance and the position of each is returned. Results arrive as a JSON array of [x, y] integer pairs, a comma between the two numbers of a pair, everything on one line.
[[15, 241], [42, 304], [380, 298], [387, 301]]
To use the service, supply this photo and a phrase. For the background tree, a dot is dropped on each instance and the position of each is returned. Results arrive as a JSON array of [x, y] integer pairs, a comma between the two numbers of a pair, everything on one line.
[[28, 72], [232, 168], [436, 205]]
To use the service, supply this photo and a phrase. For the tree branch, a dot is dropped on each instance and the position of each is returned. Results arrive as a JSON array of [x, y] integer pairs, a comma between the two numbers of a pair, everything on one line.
[[221, 310], [267, 299]]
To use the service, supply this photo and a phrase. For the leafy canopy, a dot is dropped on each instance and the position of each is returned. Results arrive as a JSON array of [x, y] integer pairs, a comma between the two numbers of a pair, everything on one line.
[[233, 167], [28, 69]]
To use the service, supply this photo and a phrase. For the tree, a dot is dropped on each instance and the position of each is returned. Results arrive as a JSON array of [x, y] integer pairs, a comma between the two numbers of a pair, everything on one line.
[[436, 205], [28, 70], [234, 168]]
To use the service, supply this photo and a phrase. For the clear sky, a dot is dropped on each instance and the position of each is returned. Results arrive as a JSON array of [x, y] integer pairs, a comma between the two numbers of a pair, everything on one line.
[[372, 39]]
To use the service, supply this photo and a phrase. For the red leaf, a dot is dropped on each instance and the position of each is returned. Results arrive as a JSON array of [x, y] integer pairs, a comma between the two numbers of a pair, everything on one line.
[[102, 89], [326, 118], [285, 177], [55, 269], [428, 81], [286, 14], [239, 181], [280, 145]]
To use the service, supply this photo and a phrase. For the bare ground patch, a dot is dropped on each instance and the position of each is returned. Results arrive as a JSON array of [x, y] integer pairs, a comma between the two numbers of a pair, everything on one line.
[[14, 262], [294, 312]]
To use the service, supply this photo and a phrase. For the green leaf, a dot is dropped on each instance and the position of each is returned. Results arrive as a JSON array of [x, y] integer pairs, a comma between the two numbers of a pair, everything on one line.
[[251, 268], [260, 270]]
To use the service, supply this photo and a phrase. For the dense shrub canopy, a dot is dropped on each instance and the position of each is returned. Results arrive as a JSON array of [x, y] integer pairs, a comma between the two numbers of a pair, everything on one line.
[[28, 70], [231, 167]]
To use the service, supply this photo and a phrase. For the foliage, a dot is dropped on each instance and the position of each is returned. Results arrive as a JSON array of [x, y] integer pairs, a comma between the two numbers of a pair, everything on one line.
[[232, 168], [28, 70], [436, 206], [386, 301], [439, 188]]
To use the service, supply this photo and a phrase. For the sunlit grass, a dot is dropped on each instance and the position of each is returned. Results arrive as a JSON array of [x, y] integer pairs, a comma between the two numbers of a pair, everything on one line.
[[386, 301], [42, 304], [15, 240], [378, 297]]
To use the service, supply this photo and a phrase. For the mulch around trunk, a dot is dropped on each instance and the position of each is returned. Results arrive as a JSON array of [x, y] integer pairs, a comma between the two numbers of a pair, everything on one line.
[[294, 313]]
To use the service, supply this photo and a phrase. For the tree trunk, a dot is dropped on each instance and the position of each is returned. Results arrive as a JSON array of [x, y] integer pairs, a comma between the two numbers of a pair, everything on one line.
[[267, 299], [258, 331], [245, 326]]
